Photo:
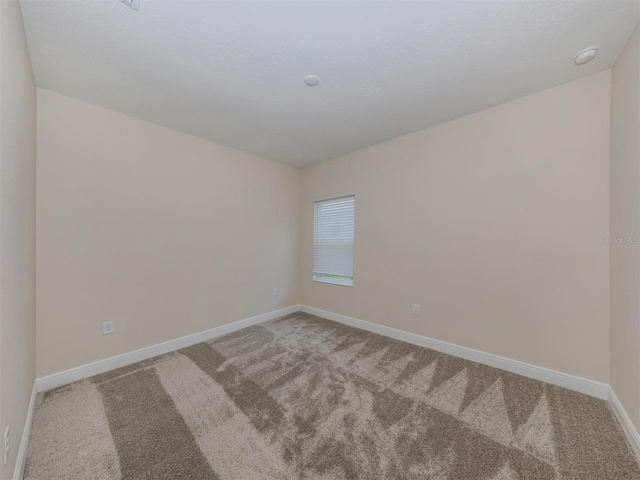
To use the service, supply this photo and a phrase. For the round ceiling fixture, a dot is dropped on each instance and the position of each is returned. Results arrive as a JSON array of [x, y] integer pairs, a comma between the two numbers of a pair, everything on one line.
[[586, 55], [311, 80]]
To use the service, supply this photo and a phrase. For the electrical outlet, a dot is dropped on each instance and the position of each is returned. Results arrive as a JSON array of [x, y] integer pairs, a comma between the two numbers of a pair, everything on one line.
[[7, 444], [416, 309], [275, 292], [107, 327]]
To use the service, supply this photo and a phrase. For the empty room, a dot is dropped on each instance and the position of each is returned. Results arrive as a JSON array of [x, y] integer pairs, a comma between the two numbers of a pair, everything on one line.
[[320, 239]]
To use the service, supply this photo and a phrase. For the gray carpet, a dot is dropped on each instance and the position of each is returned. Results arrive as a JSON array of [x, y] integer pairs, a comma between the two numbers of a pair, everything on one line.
[[305, 398]]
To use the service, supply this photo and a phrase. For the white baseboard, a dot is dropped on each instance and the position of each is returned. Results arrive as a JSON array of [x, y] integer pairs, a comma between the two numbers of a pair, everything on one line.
[[627, 425], [89, 370], [572, 382], [21, 459]]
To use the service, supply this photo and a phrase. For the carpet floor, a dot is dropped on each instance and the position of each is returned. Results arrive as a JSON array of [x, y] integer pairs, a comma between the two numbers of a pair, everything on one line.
[[302, 397]]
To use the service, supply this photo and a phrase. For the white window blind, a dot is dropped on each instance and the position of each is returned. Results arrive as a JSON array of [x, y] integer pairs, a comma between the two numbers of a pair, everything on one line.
[[333, 234]]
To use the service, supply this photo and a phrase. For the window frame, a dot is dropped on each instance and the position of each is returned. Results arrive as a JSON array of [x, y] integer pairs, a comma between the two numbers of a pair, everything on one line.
[[328, 278]]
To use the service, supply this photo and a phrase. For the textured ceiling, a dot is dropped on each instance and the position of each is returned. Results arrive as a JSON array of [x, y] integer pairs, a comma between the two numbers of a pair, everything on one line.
[[232, 72]]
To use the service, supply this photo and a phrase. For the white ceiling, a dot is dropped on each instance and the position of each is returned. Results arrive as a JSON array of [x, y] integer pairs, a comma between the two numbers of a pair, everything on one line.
[[232, 71]]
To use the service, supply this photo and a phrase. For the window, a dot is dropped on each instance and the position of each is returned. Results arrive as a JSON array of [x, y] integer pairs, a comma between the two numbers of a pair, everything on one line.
[[333, 230]]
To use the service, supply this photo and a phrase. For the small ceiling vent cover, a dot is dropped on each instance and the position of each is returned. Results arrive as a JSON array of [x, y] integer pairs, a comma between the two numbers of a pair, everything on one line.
[[135, 4]]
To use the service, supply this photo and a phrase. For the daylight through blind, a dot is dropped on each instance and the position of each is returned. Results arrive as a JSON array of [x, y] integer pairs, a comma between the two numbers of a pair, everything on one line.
[[333, 240]]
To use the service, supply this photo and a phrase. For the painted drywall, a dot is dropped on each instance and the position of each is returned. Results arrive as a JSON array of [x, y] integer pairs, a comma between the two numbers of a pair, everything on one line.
[[164, 233], [17, 228], [493, 223], [625, 228]]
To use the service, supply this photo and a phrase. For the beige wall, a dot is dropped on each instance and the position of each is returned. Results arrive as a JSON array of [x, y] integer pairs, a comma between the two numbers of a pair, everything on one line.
[[164, 233], [493, 223], [17, 227], [625, 222]]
